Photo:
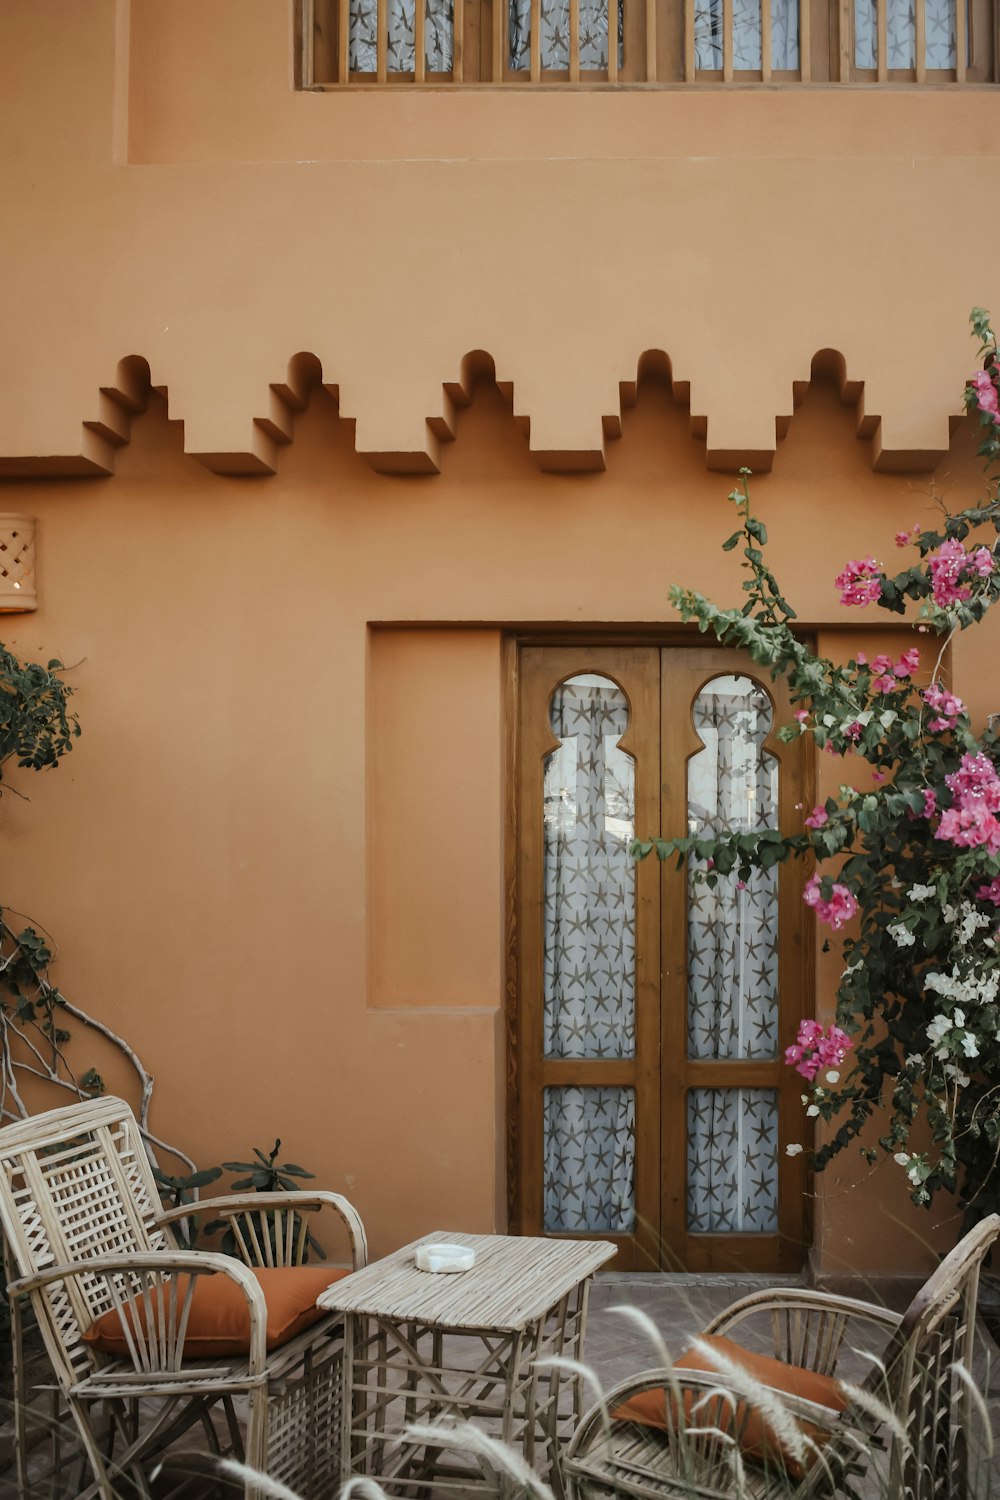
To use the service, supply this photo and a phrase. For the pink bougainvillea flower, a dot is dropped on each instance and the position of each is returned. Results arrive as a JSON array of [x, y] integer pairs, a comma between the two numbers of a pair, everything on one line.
[[862, 659], [986, 392], [817, 818], [976, 777], [834, 1047], [947, 707], [908, 663], [946, 566], [883, 684], [878, 776], [951, 567], [816, 1047], [971, 822], [853, 731], [990, 892], [860, 582], [840, 907], [930, 802], [970, 828], [802, 715]]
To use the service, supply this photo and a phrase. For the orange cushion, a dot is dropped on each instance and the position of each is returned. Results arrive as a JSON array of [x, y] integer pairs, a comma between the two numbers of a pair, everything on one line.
[[758, 1440], [219, 1319]]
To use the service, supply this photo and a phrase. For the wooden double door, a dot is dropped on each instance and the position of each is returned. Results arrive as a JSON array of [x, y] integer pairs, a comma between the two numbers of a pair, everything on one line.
[[653, 1004]]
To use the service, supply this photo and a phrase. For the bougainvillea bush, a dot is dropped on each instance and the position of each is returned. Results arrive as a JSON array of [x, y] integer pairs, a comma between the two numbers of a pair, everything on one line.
[[907, 853]]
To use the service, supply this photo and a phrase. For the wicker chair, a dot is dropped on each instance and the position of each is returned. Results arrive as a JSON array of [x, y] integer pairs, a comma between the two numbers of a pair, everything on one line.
[[921, 1377], [84, 1233]]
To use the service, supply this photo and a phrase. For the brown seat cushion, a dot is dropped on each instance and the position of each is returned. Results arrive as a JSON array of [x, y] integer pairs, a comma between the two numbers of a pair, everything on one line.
[[758, 1440], [219, 1319]]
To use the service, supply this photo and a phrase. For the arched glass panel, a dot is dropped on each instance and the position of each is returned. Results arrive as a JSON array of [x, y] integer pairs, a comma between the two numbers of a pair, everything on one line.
[[589, 940], [732, 965], [589, 918], [733, 927]]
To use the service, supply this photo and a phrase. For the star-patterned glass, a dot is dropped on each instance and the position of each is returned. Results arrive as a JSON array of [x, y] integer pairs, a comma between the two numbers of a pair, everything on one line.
[[589, 914], [589, 1160], [708, 35], [732, 927], [732, 1161], [555, 34], [438, 36], [901, 33]]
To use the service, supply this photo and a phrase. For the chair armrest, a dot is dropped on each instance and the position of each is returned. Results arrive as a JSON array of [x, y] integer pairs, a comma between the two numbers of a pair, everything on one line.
[[150, 1271], [801, 1299], [235, 1206], [808, 1328]]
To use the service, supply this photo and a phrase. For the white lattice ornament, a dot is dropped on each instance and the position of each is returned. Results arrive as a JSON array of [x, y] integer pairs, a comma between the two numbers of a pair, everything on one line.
[[17, 564]]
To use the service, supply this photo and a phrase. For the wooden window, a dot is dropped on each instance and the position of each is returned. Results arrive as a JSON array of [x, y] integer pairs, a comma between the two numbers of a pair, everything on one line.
[[468, 41], [920, 41], [580, 42]]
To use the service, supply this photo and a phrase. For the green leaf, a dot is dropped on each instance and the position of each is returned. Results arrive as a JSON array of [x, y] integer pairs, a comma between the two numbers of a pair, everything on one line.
[[203, 1178]]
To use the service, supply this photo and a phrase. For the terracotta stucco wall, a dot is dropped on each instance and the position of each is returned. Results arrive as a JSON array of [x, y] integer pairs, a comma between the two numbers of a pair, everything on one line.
[[275, 858]]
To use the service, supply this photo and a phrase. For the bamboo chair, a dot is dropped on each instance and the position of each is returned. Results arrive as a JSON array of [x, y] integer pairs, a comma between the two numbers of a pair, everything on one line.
[[923, 1378], [84, 1233]]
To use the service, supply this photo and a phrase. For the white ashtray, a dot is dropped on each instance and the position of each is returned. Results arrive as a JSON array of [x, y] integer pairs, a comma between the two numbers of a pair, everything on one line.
[[445, 1258]]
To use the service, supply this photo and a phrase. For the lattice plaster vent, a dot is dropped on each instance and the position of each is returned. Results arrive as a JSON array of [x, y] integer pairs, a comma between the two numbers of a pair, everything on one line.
[[17, 564]]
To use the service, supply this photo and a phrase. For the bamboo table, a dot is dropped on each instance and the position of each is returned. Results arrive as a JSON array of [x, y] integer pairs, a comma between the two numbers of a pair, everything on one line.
[[432, 1348]]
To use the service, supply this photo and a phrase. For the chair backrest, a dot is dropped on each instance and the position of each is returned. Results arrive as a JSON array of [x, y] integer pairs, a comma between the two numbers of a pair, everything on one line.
[[75, 1183], [928, 1351]]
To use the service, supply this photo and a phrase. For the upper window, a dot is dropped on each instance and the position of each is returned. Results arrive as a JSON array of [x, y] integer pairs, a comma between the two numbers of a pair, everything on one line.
[[646, 41]]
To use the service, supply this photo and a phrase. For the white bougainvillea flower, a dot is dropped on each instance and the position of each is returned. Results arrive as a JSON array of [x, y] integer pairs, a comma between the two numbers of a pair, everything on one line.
[[920, 892]]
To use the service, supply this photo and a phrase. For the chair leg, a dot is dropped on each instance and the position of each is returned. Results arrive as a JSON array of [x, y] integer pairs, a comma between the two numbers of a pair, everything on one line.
[[235, 1434], [256, 1439], [20, 1399], [102, 1480]]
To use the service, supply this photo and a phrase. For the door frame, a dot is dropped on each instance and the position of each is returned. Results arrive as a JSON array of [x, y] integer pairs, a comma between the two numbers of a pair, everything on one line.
[[794, 1174]]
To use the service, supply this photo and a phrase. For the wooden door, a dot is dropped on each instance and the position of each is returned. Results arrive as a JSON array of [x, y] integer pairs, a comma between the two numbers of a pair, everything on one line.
[[652, 1010]]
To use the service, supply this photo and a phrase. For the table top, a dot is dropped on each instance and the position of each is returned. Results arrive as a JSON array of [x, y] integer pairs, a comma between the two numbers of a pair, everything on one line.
[[515, 1281]]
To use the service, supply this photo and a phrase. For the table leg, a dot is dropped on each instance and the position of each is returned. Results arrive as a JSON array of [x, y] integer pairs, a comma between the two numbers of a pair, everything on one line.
[[351, 1335]]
